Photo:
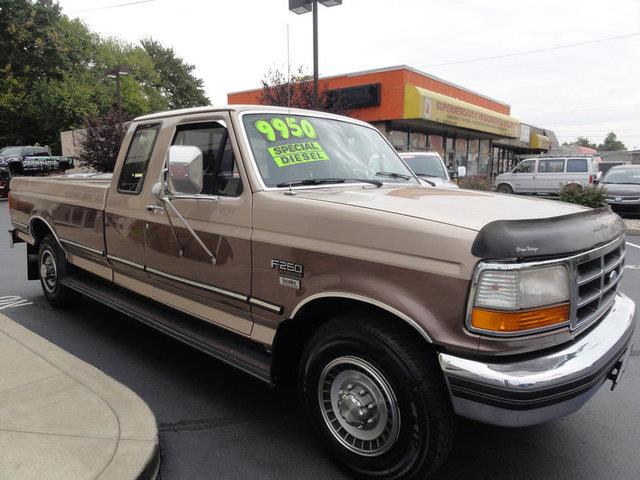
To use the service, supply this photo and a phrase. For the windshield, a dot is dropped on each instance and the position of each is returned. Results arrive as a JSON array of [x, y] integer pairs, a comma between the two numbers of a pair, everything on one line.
[[626, 175], [429, 165], [11, 152], [295, 148]]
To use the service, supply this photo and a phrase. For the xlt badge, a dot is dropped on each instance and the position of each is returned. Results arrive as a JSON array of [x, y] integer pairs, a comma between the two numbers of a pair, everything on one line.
[[289, 269]]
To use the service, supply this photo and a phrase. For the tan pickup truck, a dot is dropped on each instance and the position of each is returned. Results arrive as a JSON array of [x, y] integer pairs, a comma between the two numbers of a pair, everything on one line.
[[297, 246]]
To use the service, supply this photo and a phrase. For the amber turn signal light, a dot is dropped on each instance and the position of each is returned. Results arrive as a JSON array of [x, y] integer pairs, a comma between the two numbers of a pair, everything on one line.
[[502, 321]]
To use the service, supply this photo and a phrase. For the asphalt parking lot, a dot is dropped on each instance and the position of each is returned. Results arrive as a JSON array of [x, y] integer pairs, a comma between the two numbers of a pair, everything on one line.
[[215, 422]]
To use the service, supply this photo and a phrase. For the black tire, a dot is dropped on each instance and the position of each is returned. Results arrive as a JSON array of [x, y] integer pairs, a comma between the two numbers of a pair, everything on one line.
[[505, 188], [52, 266], [426, 428]]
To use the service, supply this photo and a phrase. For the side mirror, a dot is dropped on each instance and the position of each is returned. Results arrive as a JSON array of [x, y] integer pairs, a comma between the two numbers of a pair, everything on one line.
[[184, 170], [462, 172]]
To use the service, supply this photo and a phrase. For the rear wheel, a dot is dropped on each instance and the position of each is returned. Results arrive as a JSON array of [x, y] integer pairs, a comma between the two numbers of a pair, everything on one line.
[[52, 267], [376, 397], [504, 188]]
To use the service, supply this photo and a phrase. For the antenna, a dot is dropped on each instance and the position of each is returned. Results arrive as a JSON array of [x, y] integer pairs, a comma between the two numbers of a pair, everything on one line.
[[288, 72]]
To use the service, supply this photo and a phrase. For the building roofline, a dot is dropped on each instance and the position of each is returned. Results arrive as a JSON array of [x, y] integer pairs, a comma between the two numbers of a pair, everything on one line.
[[391, 69]]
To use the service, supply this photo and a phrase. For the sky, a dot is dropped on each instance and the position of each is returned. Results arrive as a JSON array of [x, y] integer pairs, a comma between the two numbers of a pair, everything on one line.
[[585, 90]]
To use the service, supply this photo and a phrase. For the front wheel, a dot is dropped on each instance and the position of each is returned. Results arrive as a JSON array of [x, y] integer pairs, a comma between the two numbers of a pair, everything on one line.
[[376, 397], [505, 188]]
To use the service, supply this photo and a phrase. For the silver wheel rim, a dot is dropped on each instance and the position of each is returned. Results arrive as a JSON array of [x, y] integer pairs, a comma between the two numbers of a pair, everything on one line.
[[48, 271], [358, 406]]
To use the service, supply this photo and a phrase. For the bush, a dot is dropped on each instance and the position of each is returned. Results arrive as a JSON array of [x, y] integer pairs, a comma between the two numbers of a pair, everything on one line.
[[593, 196], [100, 143], [475, 183]]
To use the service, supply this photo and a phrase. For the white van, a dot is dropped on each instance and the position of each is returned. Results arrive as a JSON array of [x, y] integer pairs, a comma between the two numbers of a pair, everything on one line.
[[548, 174]]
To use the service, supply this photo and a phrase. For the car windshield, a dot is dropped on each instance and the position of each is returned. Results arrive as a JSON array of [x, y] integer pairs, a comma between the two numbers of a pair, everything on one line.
[[305, 150], [11, 151], [425, 164], [623, 175]]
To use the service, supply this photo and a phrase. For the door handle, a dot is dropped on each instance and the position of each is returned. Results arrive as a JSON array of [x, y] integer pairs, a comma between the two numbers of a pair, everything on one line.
[[154, 208]]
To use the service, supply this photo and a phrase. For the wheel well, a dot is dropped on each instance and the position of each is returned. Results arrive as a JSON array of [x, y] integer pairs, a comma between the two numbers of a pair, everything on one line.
[[39, 229], [294, 333]]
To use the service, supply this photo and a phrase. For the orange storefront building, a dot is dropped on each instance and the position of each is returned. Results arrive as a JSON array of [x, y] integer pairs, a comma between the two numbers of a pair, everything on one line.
[[417, 111]]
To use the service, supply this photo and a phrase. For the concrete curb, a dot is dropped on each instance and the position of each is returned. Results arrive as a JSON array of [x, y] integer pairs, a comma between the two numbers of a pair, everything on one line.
[[61, 418], [633, 231]]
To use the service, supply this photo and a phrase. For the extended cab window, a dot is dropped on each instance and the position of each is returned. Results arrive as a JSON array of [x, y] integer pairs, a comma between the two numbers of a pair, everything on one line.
[[551, 166], [220, 171], [577, 165], [135, 164], [525, 167]]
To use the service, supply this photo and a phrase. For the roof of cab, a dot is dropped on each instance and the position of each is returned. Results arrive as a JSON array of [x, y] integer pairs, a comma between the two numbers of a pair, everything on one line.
[[242, 108]]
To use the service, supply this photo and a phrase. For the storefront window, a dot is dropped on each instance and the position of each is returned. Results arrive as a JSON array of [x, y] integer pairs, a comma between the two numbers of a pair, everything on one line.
[[435, 144], [472, 158], [418, 141], [483, 162]]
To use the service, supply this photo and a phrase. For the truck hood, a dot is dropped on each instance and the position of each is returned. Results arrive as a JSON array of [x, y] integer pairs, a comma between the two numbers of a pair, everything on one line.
[[462, 208], [622, 190]]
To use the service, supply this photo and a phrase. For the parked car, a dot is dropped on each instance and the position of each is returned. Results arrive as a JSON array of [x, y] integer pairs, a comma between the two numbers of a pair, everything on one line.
[[548, 174], [261, 236], [28, 160], [623, 188], [430, 167]]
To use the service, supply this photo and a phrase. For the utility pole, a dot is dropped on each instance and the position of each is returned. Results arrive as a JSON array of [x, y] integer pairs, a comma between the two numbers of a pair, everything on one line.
[[305, 6]]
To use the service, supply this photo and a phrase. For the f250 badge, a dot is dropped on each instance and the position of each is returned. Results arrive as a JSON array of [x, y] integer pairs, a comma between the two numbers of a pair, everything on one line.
[[290, 273]]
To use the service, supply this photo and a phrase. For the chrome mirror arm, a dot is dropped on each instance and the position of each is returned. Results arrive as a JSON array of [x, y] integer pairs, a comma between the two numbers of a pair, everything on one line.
[[166, 201]]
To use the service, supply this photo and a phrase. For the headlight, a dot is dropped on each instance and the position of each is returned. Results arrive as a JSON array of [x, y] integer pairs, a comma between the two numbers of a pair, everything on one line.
[[520, 300]]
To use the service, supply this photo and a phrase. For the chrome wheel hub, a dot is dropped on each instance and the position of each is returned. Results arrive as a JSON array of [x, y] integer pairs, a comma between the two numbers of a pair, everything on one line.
[[48, 271], [359, 406]]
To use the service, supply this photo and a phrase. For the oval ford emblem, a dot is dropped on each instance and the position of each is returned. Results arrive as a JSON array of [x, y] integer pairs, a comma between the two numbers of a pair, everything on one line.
[[618, 199]]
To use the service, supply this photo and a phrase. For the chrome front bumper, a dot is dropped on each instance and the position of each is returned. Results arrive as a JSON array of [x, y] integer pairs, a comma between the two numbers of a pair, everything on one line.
[[539, 389]]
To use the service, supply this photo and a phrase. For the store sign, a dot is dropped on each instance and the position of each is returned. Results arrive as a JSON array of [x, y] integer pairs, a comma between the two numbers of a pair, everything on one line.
[[525, 133], [428, 105], [356, 97]]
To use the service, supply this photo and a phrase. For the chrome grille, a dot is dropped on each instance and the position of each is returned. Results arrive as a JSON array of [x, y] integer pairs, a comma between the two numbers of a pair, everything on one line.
[[596, 278]]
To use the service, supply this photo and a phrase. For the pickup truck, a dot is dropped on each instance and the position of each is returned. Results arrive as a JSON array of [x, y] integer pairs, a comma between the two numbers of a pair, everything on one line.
[[297, 246], [28, 160]]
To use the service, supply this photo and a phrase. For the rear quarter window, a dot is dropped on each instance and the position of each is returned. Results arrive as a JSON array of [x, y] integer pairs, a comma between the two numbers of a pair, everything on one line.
[[137, 159], [577, 165]]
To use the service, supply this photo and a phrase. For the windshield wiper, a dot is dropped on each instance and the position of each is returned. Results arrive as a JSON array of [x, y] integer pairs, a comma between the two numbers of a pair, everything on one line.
[[394, 175], [319, 181]]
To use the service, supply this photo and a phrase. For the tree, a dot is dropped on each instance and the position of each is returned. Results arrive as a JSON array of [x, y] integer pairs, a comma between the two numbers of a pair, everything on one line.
[[176, 80], [581, 142], [611, 143], [100, 143], [53, 75], [297, 93]]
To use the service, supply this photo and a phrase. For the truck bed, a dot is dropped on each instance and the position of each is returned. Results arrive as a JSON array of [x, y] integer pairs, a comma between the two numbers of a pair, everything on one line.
[[73, 205]]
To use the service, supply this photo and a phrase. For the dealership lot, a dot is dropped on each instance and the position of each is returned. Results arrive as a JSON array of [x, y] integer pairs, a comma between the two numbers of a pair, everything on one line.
[[215, 422]]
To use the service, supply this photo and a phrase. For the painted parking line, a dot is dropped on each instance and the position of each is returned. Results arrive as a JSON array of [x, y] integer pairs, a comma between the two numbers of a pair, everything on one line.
[[633, 244]]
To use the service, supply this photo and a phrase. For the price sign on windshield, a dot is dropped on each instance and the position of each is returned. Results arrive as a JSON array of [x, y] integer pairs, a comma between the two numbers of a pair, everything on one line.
[[285, 128]]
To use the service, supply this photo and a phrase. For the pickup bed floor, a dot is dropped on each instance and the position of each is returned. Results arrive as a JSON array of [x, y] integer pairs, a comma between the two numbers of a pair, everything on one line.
[[210, 339]]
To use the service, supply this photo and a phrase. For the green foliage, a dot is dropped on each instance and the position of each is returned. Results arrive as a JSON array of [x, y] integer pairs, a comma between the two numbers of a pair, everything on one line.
[[581, 142], [53, 75], [175, 77], [475, 183], [611, 143], [593, 196], [100, 143]]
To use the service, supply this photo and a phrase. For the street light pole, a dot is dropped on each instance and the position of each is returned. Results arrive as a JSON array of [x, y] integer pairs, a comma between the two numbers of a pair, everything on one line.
[[305, 6], [116, 73]]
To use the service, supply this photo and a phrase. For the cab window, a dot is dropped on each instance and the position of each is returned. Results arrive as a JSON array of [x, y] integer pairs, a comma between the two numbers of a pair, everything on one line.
[[577, 165], [220, 171], [137, 159], [551, 166], [525, 167]]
